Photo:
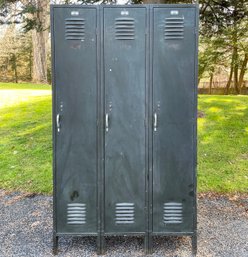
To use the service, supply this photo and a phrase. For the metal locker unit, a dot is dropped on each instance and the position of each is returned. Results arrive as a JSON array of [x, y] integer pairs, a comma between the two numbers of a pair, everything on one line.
[[124, 120], [75, 115], [124, 50], [175, 113]]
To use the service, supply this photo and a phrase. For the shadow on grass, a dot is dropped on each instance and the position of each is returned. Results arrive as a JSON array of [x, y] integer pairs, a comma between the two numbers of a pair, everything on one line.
[[222, 143]]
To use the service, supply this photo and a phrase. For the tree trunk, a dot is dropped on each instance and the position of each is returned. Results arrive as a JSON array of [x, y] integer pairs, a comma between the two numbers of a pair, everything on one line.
[[236, 70], [15, 68], [229, 81], [39, 40], [242, 71], [39, 57], [30, 65], [199, 80], [235, 55], [211, 83]]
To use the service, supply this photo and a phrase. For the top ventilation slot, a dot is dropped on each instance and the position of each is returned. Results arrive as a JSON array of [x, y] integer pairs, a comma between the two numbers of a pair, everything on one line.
[[124, 28], [174, 28], [75, 29]]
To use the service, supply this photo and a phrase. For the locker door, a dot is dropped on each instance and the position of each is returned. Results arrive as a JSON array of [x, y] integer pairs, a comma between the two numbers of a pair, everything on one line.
[[75, 111], [174, 110], [125, 83]]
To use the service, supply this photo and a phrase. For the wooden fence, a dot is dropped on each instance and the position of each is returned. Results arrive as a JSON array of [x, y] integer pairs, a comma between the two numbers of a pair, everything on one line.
[[219, 88]]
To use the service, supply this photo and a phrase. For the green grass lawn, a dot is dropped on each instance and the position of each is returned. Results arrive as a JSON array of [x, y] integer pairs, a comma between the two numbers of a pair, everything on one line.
[[24, 86], [26, 141], [223, 144]]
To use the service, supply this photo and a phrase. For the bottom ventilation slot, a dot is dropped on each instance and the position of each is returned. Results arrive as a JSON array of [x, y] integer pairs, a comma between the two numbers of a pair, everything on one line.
[[76, 213], [124, 213], [173, 213]]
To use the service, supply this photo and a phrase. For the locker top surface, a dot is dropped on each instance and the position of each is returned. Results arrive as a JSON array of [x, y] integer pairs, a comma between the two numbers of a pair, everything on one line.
[[126, 6]]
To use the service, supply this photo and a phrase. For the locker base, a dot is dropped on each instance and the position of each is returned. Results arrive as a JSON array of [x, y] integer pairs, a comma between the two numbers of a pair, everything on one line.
[[55, 244], [148, 244], [194, 244], [100, 245]]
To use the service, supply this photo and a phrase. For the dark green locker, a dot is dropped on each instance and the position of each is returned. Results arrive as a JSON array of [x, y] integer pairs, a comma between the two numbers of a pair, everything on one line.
[[75, 113], [175, 118], [125, 83], [124, 120]]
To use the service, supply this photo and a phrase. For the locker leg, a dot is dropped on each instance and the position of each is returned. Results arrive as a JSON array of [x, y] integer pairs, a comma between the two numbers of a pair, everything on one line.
[[100, 245], [55, 244], [194, 244], [148, 244]]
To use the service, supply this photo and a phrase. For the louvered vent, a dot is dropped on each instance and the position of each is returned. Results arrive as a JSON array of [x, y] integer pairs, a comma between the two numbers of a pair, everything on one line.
[[174, 28], [76, 213], [75, 29], [124, 28], [124, 213], [173, 213]]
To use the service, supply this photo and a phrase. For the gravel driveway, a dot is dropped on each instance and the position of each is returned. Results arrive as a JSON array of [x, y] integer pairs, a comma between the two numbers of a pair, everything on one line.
[[26, 230]]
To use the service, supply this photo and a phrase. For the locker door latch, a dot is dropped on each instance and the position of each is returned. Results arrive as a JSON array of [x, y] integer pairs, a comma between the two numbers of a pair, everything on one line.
[[107, 122], [58, 122], [155, 121]]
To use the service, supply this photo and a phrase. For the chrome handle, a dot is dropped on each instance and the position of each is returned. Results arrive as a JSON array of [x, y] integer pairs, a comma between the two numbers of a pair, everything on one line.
[[58, 122], [155, 124], [107, 122]]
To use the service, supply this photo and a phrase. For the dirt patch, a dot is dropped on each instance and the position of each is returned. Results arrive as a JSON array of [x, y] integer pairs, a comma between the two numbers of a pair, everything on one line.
[[239, 199], [244, 156], [19, 197], [4, 193], [200, 114]]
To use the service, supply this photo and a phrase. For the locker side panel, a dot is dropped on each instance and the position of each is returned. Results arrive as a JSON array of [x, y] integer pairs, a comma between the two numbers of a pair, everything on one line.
[[75, 98], [125, 80], [174, 43]]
